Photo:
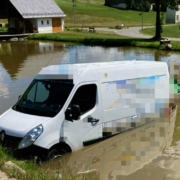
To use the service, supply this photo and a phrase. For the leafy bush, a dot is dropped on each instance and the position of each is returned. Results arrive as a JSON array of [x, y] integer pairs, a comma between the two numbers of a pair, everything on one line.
[[147, 6]]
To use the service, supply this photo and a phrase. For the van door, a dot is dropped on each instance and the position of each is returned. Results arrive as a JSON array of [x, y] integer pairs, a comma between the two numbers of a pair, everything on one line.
[[119, 106], [88, 126]]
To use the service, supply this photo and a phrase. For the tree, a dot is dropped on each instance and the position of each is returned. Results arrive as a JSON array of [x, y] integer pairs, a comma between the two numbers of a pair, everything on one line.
[[160, 3], [158, 24], [130, 3], [141, 5]]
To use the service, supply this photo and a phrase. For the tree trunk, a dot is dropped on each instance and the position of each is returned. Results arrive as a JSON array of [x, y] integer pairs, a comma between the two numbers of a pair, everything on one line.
[[158, 23]]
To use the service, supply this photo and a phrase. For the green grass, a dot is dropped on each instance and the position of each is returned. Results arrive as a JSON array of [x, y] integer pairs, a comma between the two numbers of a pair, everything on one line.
[[36, 172], [168, 31], [94, 13], [3, 22], [33, 171], [102, 38], [3, 29]]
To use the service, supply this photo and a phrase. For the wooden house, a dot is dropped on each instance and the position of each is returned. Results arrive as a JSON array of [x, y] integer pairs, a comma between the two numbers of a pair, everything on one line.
[[43, 16]]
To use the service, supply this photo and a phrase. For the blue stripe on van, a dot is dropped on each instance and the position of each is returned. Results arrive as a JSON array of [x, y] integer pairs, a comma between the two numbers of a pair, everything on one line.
[[63, 69]]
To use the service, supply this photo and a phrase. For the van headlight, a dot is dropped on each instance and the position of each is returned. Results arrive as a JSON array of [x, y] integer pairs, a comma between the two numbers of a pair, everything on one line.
[[31, 137]]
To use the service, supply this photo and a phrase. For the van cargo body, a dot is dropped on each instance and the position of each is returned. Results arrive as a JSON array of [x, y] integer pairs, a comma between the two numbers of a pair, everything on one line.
[[72, 105]]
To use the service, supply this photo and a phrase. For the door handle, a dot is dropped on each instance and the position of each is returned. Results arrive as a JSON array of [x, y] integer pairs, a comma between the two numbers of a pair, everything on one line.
[[92, 120], [95, 120], [134, 117]]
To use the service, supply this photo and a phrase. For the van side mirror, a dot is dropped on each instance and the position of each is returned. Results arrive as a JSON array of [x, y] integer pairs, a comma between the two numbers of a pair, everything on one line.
[[68, 115], [73, 113], [76, 112]]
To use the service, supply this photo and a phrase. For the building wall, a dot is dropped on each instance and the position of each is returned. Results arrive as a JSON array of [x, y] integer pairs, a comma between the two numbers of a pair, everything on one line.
[[34, 22], [177, 17], [56, 24], [12, 22], [171, 16], [62, 23], [15, 26], [121, 6], [44, 25]]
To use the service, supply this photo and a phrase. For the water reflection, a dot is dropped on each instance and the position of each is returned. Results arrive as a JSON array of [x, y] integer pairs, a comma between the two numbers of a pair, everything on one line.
[[26, 59], [136, 154], [158, 55], [21, 61]]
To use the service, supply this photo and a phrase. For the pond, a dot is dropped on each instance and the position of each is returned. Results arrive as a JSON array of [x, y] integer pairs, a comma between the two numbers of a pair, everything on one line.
[[116, 157], [21, 61]]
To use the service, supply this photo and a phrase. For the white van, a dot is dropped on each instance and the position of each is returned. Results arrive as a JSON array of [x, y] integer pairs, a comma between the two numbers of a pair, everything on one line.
[[72, 105]]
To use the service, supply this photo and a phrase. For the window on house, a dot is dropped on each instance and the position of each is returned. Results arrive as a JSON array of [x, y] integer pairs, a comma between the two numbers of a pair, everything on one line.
[[47, 21], [42, 22], [85, 97], [177, 17]]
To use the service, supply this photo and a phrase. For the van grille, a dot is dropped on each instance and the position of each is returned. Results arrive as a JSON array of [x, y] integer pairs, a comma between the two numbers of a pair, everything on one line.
[[11, 142]]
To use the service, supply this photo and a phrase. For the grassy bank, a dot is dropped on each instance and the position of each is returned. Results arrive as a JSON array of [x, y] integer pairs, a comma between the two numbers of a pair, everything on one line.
[[94, 13], [33, 172], [168, 31], [37, 172], [102, 38]]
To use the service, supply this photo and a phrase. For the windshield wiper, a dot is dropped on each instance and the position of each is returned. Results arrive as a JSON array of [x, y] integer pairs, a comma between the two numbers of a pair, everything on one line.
[[20, 107]]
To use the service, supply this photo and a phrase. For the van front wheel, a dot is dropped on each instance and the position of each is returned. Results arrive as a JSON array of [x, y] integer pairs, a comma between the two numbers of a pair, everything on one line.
[[55, 153]]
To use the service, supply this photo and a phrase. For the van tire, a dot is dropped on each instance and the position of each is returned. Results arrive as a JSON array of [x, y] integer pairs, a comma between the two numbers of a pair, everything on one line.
[[55, 153]]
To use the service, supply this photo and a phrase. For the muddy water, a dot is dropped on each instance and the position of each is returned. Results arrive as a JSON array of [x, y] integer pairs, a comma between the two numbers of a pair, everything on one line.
[[21, 61], [143, 153]]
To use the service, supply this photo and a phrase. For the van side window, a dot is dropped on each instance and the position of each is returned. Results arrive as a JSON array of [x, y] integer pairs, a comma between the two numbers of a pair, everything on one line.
[[85, 97]]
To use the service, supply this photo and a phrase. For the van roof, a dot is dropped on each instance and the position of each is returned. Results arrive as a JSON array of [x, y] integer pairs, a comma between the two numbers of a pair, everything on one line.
[[91, 71]]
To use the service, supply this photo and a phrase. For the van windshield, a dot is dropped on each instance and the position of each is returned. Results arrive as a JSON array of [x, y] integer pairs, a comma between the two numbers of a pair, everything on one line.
[[44, 97]]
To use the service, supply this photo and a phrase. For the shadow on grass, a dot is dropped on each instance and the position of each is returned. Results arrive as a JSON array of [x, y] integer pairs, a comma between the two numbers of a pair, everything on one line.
[[146, 43], [104, 40]]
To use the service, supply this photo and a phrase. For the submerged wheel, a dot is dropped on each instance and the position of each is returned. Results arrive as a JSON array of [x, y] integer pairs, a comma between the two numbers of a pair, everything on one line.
[[55, 153]]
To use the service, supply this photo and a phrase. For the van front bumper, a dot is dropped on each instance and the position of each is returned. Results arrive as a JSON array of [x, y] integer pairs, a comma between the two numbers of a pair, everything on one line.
[[31, 152], [11, 143]]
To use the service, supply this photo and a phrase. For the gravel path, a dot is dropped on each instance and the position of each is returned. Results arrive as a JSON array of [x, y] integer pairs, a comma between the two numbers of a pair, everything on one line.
[[132, 32]]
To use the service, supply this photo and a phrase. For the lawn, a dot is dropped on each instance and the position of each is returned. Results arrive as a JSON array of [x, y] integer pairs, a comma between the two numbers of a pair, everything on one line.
[[98, 38], [168, 31], [3, 22], [94, 13], [103, 39]]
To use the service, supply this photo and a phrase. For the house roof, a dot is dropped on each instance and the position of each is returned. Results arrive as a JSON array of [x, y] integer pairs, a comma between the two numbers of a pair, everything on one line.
[[37, 8]]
